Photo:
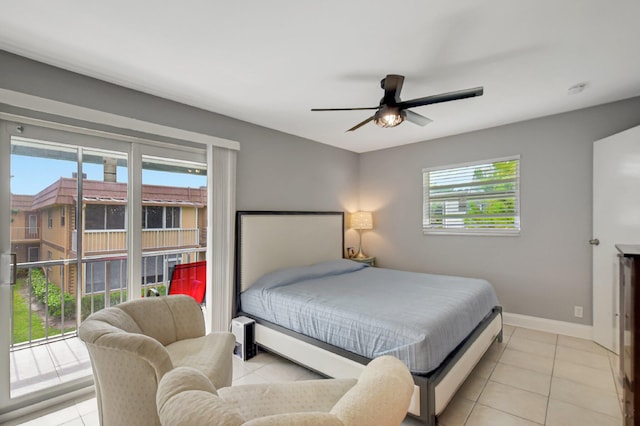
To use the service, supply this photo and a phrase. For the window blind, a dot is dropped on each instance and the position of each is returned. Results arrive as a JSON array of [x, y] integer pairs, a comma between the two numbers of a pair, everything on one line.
[[482, 197]]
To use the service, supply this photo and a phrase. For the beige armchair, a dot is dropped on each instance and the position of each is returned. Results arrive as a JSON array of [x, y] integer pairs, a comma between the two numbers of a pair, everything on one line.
[[380, 396], [134, 344]]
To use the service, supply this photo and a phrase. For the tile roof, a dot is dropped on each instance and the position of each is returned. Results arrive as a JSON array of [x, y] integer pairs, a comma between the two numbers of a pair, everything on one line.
[[21, 202], [63, 191]]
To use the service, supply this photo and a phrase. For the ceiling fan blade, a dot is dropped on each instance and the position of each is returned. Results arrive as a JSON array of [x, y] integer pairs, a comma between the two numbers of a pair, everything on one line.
[[357, 126], [443, 97], [392, 85], [416, 118], [343, 109]]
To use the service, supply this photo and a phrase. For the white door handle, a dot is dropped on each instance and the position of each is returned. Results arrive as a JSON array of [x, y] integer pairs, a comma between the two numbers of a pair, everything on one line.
[[9, 269]]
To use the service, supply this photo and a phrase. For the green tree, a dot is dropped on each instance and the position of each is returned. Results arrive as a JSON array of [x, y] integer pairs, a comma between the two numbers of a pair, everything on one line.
[[494, 202]]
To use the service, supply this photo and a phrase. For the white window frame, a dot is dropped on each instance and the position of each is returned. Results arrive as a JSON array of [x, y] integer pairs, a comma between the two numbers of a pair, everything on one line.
[[428, 229]]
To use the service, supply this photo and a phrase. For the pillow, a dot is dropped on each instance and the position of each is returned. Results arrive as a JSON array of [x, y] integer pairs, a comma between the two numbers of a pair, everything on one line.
[[287, 276]]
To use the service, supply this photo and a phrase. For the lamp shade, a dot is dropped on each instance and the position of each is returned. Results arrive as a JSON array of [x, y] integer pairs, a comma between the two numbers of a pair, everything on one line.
[[362, 220]]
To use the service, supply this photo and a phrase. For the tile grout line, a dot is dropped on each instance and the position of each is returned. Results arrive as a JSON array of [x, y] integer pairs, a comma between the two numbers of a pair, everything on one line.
[[505, 348], [487, 381], [475, 403], [553, 367]]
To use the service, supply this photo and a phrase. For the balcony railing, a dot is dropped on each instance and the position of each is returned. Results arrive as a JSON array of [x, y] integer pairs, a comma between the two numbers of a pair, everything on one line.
[[25, 233], [45, 349], [97, 241], [42, 310]]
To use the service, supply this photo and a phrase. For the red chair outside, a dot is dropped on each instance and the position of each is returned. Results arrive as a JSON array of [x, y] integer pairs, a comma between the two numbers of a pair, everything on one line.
[[189, 279]]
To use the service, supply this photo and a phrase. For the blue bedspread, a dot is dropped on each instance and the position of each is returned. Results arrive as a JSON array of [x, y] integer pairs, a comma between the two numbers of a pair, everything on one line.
[[419, 318]]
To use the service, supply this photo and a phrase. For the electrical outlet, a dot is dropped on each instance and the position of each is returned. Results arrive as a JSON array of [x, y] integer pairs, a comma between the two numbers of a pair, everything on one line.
[[577, 311]]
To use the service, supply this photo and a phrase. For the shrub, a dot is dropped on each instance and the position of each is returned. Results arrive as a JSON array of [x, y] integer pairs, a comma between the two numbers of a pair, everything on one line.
[[53, 299], [98, 302]]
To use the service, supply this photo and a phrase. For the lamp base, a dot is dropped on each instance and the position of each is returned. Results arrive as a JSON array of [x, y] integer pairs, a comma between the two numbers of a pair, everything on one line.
[[360, 255]]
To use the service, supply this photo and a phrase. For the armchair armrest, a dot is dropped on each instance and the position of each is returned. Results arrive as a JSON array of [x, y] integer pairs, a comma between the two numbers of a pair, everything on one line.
[[381, 396], [186, 397]]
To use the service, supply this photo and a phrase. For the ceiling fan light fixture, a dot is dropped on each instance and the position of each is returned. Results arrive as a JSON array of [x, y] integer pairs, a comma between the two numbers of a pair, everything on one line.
[[392, 111], [389, 117]]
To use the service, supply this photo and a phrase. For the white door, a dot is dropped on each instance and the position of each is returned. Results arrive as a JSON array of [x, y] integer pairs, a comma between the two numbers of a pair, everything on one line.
[[616, 220]]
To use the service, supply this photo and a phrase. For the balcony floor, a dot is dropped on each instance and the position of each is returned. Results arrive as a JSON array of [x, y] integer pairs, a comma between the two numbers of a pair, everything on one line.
[[49, 364]]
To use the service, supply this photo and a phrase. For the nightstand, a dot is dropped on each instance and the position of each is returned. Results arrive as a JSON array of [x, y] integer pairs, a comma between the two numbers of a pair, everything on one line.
[[371, 261]]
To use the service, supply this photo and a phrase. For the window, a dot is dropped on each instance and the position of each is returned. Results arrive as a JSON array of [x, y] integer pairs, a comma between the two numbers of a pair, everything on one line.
[[100, 217], [172, 217], [99, 273], [153, 269], [152, 217], [475, 198], [33, 225], [157, 217], [33, 254], [115, 217], [49, 219], [62, 215]]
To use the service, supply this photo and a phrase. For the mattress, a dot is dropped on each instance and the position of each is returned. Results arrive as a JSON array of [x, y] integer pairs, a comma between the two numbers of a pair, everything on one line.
[[418, 318]]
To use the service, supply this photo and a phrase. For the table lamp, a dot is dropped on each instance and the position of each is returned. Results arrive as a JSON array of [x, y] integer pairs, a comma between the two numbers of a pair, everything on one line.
[[360, 221]]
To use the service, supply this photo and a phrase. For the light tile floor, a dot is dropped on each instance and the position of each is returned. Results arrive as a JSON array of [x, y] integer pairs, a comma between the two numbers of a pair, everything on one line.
[[531, 378]]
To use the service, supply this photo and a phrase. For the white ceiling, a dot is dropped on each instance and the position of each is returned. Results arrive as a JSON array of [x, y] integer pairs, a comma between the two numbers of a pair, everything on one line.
[[270, 62]]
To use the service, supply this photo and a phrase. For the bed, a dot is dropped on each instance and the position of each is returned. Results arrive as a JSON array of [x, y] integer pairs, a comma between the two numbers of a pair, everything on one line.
[[320, 311]]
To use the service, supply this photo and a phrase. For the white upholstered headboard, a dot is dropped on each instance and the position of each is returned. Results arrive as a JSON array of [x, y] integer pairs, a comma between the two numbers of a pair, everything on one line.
[[267, 241]]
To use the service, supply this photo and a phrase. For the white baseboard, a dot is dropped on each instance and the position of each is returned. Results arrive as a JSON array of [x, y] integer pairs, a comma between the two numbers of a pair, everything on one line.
[[551, 326]]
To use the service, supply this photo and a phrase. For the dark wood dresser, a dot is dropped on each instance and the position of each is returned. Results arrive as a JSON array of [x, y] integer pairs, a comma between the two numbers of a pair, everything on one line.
[[629, 339]]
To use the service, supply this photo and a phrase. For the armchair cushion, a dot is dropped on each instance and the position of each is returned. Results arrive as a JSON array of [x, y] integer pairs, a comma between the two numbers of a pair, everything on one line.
[[296, 419], [283, 398], [166, 319], [210, 354]]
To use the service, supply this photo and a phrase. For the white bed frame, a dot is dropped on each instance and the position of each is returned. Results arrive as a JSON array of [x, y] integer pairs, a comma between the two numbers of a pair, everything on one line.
[[267, 241]]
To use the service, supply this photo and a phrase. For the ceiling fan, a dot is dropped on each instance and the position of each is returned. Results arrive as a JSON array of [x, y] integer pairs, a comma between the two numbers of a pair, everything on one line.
[[392, 111]]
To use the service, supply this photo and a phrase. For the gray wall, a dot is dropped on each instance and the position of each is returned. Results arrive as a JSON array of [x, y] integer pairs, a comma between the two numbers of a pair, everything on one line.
[[544, 272], [547, 269], [275, 170]]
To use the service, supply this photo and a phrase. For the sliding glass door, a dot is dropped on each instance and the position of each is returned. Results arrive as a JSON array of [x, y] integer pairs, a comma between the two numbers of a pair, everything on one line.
[[66, 251], [91, 222], [174, 218]]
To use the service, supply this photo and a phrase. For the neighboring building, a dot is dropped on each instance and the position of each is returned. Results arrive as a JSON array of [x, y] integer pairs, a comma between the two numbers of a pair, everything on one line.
[[25, 229], [174, 218]]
